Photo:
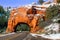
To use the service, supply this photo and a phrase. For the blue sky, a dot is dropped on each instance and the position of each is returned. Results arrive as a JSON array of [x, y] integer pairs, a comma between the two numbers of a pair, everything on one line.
[[15, 3]]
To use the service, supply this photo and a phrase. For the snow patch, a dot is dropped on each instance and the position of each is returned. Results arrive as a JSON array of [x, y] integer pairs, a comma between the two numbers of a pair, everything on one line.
[[51, 32], [51, 36]]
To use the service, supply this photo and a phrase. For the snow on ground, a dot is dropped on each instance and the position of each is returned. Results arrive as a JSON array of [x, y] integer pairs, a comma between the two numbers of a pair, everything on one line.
[[51, 36], [52, 28], [54, 34]]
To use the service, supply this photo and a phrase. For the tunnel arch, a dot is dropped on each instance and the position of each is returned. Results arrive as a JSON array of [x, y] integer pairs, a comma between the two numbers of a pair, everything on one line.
[[23, 27]]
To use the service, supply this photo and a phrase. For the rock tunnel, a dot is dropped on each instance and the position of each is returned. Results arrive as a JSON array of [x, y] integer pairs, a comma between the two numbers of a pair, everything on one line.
[[24, 15], [22, 27]]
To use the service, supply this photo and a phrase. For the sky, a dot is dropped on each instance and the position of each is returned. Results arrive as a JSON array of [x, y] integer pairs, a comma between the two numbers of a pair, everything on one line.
[[16, 3]]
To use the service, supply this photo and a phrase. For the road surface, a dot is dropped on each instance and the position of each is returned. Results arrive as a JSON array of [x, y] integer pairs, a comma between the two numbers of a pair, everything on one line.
[[21, 36]]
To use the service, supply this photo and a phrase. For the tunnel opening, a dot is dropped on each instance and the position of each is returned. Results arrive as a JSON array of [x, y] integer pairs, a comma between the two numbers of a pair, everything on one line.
[[21, 27]]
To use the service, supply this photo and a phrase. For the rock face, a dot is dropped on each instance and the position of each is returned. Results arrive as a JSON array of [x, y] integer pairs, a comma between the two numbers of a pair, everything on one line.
[[25, 15], [55, 1]]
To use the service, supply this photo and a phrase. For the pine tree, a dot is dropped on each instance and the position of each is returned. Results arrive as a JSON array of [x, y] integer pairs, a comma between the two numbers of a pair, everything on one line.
[[40, 1], [52, 11]]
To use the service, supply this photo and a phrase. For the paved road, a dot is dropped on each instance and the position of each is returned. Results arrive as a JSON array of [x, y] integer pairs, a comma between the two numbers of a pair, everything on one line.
[[21, 36], [16, 36]]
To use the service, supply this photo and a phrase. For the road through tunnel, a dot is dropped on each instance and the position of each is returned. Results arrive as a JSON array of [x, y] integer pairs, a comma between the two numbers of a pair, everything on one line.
[[21, 27]]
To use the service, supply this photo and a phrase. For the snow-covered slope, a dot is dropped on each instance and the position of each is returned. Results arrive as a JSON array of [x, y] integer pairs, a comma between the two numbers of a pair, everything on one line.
[[52, 28], [51, 36], [51, 32]]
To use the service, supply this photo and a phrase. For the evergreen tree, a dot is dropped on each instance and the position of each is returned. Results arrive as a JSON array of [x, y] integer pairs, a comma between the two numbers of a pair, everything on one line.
[[3, 19], [40, 1], [52, 11]]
